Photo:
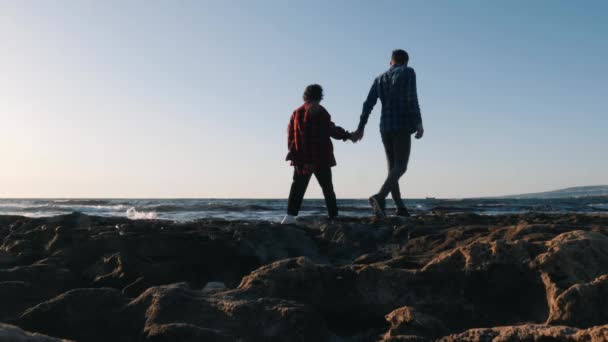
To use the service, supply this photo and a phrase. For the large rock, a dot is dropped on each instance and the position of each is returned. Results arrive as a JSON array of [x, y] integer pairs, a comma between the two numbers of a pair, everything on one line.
[[10, 333], [407, 321], [86, 314], [24, 286], [582, 305], [15, 297], [184, 332], [481, 294], [572, 270], [92, 278], [176, 310], [531, 332]]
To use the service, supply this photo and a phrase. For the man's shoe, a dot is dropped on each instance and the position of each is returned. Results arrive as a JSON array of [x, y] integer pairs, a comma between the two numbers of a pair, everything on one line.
[[289, 219], [402, 212], [377, 204]]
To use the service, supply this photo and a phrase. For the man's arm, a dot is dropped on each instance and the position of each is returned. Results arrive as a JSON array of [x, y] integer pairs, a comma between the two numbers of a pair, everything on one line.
[[412, 98], [368, 106], [414, 107]]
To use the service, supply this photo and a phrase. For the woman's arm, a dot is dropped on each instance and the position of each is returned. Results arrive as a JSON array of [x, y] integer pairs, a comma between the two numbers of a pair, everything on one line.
[[335, 132]]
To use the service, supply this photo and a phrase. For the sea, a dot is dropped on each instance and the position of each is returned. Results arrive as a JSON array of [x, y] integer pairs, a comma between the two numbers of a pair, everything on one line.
[[274, 209]]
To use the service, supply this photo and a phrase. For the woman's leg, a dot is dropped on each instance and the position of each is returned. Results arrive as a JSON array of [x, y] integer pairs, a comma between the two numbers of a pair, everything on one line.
[[296, 194], [324, 178]]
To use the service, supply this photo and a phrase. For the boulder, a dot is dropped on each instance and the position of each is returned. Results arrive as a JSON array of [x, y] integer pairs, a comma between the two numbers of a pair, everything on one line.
[[11, 333], [184, 332], [85, 314], [221, 316], [407, 321], [24, 286], [531, 332], [15, 297], [571, 269], [582, 305]]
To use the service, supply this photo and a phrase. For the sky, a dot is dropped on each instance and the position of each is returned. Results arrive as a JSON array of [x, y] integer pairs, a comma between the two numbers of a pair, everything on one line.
[[156, 99]]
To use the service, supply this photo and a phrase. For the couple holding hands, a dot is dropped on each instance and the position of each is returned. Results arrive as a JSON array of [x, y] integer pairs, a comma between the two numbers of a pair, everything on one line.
[[311, 129]]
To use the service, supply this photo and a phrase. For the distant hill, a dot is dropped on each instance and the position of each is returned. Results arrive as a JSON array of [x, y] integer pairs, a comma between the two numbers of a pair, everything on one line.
[[579, 191]]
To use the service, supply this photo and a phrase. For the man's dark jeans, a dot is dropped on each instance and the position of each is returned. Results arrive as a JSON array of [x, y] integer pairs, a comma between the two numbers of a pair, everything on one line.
[[298, 189], [397, 146]]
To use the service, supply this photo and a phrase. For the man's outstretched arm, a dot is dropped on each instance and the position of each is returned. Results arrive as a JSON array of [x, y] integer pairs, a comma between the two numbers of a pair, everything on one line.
[[412, 100], [368, 106]]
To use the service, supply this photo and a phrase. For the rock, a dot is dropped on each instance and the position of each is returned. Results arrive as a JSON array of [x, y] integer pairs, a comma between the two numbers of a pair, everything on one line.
[[84, 315], [363, 294], [569, 269], [51, 279], [454, 276], [184, 332], [25, 286], [582, 305], [11, 333], [15, 297], [214, 286], [330, 290], [7, 259], [136, 288], [346, 242], [221, 316], [531, 332], [407, 321], [275, 242]]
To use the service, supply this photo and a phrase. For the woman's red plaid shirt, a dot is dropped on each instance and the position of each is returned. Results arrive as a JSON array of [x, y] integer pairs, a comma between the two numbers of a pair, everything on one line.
[[309, 138]]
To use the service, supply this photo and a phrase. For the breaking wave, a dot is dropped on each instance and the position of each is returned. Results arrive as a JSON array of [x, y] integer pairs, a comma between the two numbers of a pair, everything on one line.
[[133, 214], [273, 209]]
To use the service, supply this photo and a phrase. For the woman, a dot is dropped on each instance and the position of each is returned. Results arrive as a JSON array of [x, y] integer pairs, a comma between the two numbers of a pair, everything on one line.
[[311, 151]]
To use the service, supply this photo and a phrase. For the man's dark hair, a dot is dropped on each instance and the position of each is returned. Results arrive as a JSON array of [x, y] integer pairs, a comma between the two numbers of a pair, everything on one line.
[[400, 56], [313, 92]]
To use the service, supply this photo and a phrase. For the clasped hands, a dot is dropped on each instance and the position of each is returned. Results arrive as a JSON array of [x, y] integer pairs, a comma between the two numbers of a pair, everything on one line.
[[358, 134]]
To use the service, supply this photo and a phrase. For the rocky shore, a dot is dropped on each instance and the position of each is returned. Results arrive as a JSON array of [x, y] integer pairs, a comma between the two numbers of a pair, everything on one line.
[[465, 277]]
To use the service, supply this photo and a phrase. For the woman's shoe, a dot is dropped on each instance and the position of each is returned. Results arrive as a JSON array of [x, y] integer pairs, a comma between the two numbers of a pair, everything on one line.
[[289, 219]]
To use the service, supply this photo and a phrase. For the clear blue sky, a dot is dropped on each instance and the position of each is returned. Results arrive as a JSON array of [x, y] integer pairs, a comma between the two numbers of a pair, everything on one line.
[[192, 98]]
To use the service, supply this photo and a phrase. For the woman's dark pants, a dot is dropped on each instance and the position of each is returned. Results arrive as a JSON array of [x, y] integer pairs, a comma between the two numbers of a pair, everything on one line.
[[298, 189]]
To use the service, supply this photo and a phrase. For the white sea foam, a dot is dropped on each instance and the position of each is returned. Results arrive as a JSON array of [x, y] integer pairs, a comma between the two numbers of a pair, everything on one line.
[[599, 205], [133, 214]]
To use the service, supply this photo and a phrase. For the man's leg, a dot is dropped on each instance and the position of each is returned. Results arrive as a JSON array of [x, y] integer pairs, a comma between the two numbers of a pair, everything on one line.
[[389, 148], [325, 181], [296, 194], [401, 146]]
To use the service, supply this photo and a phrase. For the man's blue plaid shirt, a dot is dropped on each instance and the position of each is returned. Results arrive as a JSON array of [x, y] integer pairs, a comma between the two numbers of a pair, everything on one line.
[[396, 89]]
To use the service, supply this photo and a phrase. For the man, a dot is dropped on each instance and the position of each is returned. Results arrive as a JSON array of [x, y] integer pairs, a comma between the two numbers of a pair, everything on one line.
[[400, 118]]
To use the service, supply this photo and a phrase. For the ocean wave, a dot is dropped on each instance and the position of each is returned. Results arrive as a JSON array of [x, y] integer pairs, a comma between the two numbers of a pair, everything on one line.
[[92, 202], [133, 214], [207, 207], [599, 206], [72, 208], [491, 205]]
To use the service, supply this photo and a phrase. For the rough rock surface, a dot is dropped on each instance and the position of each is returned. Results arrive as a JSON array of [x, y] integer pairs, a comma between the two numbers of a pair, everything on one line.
[[531, 332], [464, 277], [11, 333]]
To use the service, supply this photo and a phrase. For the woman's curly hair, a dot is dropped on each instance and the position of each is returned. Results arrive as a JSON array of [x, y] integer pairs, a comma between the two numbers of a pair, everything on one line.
[[313, 92]]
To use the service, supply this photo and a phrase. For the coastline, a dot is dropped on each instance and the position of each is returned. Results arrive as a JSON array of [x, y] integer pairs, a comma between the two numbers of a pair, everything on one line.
[[458, 277]]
